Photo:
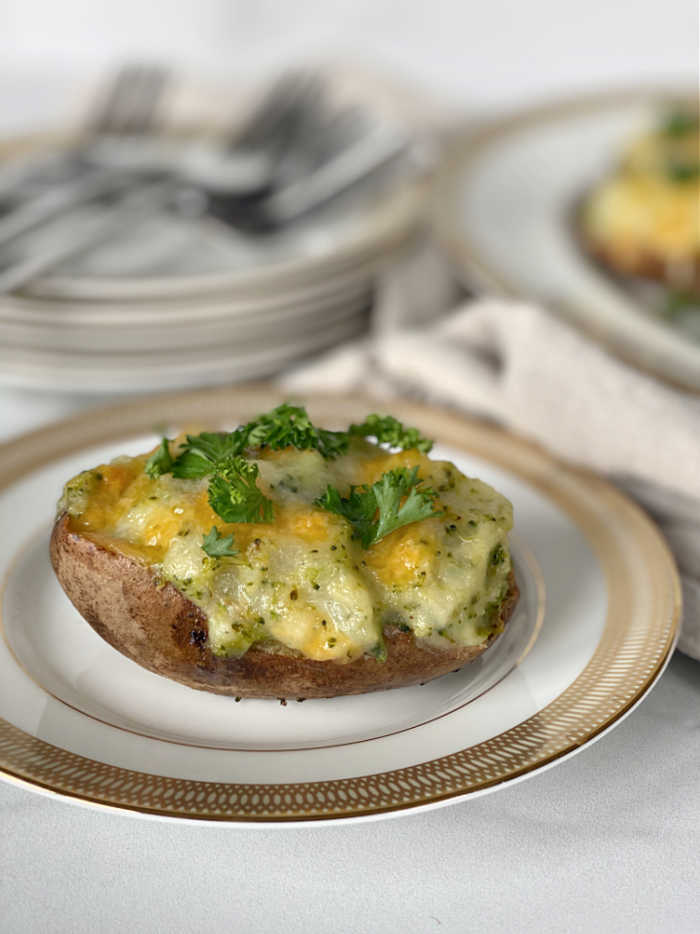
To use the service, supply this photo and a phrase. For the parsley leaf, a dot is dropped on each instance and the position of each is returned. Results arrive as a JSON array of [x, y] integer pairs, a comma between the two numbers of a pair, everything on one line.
[[359, 508], [203, 454], [375, 511], [389, 430], [290, 426], [390, 489], [217, 545], [160, 461], [234, 494]]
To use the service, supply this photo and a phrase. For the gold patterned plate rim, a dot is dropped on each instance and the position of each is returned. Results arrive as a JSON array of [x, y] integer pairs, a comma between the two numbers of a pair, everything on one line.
[[469, 263], [630, 656]]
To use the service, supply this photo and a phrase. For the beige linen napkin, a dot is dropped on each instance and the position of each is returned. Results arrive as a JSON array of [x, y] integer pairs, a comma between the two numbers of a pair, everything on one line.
[[515, 363]]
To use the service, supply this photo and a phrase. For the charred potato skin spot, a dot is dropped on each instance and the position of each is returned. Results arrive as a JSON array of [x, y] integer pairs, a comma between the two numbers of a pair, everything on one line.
[[160, 629]]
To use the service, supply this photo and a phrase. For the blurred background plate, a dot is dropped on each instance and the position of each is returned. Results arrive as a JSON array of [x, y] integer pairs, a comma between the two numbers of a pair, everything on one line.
[[505, 212]]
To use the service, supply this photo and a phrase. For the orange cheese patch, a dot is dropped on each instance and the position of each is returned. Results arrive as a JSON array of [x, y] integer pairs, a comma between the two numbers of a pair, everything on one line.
[[122, 490], [405, 556], [371, 470], [113, 491]]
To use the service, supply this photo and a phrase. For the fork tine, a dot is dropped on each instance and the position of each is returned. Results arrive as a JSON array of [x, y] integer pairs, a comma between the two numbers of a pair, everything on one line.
[[107, 113], [266, 113], [146, 101], [131, 100], [281, 103]]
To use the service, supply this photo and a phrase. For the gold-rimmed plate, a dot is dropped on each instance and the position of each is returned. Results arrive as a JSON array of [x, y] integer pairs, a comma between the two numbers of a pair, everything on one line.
[[594, 628]]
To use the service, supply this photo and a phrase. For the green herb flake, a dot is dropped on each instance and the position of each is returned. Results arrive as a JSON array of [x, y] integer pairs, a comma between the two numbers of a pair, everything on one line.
[[379, 651], [217, 545], [160, 461], [388, 430], [498, 555]]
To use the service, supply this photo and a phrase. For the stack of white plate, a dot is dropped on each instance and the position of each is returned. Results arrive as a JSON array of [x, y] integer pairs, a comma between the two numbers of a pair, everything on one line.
[[178, 302], [213, 309]]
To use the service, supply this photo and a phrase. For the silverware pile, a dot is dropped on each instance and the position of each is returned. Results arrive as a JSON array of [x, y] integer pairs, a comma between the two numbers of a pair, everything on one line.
[[135, 258]]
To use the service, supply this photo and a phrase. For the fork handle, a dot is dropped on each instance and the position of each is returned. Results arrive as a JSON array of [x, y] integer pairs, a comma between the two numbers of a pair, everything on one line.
[[90, 226], [58, 200]]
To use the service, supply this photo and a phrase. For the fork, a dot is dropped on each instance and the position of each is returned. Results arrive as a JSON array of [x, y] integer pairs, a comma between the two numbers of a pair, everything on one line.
[[240, 167], [245, 164], [290, 159], [131, 102], [90, 225], [129, 106]]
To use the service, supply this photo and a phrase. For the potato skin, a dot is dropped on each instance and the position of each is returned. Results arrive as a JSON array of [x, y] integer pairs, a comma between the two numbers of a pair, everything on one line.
[[160, 629]]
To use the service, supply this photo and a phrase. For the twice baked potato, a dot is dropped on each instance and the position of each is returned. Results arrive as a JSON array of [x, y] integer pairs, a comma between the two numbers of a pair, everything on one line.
[[643, 219], [282, 560]]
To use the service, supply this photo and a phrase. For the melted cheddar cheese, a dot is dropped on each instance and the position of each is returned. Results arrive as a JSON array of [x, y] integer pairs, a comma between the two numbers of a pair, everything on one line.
[[302, 581]]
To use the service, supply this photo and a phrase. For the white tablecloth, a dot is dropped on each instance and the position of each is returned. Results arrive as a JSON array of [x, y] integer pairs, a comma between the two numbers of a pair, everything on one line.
[[608, 841]]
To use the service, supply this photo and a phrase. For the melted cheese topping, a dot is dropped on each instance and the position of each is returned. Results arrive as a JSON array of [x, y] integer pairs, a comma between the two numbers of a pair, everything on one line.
[[302, 581]]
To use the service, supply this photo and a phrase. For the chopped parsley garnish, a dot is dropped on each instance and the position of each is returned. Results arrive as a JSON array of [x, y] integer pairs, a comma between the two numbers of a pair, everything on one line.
[[682, 171], [680, 122], [206, 453], [217, 545], [395, 500], [235, 496], [389, 430], [160, 461], [290, 426], [233, 491]]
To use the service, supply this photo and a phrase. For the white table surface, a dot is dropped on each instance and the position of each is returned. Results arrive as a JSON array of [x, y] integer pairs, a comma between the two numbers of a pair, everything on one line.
[[608, 841]]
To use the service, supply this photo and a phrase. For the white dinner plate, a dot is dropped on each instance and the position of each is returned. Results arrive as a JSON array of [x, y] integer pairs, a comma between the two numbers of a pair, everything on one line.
[[157, 372], [592, 632], [191, 329], [505, 210], [21, 310]]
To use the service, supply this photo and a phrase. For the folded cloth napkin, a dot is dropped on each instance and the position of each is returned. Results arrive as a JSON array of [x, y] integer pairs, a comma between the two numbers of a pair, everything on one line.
[[515, 363]]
